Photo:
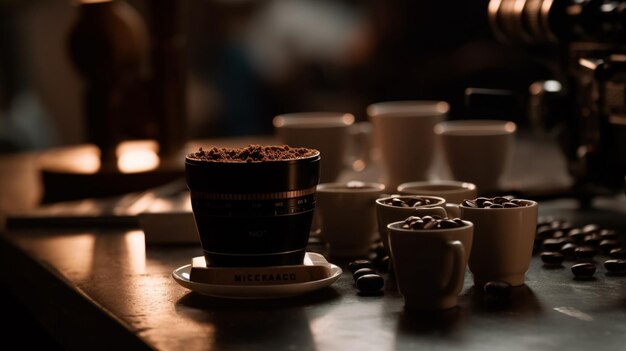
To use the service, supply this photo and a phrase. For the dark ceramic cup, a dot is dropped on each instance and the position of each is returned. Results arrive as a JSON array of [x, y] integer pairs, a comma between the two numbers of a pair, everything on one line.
[[251, 214]]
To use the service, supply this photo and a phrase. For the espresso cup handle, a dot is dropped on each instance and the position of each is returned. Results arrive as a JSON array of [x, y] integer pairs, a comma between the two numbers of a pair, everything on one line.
[[453, 210], [458, 260]]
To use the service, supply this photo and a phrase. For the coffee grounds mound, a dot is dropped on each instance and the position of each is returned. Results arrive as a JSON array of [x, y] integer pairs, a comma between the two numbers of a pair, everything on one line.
[[252, 153]]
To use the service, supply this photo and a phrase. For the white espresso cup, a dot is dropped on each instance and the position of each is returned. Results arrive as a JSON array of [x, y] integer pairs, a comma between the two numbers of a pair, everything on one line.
[[477, 151], [347, 216], [333, 134], [429, 264], [403, 133], [503, 242]]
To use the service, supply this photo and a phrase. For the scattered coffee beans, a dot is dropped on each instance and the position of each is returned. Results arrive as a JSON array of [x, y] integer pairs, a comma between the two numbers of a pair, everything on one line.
[[498, 289], [362, 272], [366, 279], [607, 245], [568, 250], [370, 283], [619, 253], [584, 270], [552, 259], [615, 266], [358, 264], [495, 202], [431, 222], [584, 253], [581, 244]]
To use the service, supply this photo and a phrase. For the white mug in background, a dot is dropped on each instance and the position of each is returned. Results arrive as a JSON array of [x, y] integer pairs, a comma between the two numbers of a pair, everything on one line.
[[339, 140], [403, 132], [347, 216], [477, 151], [429, 264]]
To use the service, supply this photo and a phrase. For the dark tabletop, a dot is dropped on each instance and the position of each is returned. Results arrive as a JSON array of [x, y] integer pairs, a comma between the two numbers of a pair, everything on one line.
[[106, 285]]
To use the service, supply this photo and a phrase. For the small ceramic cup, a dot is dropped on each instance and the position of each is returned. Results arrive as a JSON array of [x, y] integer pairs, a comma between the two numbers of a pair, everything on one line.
[[346, 214], [387, 213], [429, 265], [503, 242]]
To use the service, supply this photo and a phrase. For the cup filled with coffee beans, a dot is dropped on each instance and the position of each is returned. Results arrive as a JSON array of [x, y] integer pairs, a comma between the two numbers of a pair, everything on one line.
[[395, 208], [429, 259], [253, 206], [503, 238]]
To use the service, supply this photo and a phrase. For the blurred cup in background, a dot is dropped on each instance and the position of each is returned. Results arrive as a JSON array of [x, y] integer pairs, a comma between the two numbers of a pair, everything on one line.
[[339, 140], [403, 133], [477, 151]]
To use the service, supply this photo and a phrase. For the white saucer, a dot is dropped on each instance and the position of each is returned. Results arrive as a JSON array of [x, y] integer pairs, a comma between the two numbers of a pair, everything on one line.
[[181, 276]]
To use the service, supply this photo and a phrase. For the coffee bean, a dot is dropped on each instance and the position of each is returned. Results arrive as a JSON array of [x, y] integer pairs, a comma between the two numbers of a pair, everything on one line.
[[552, 244], [590, 229], [607, 245], [430, 224], [362, 272], [480, 201], [619, 253], [568, 250], [509, 205], [584, 270], [496, 206], [592, 239], [448, 223], [552, 259], [487, 204], [565, 226], [500, 200], [498, 289], [468, 203], [615, 266], [370, 283], [398, 203], [459, 221], [584, 253], [608, 234], [577, 235], [559, 234], [358, 264]]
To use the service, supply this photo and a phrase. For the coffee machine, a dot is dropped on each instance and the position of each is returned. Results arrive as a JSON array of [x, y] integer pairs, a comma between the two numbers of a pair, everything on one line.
[[586, 105]]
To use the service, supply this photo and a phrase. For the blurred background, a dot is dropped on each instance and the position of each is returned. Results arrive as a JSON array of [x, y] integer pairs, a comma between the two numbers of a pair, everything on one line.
[[246, 61]]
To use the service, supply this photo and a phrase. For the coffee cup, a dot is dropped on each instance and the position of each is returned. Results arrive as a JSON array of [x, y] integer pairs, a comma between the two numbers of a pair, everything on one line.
[[347, 216], [341, 142], [503, 239], [389, 210], [477, 151], [454, 192], [403, 133], [253, 206], [429, 264]]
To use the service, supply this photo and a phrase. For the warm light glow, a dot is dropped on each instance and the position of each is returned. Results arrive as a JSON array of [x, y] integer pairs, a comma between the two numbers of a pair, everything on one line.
[[137, 156], [87, 162], [136, 248], [313, 119], [358, 166]]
